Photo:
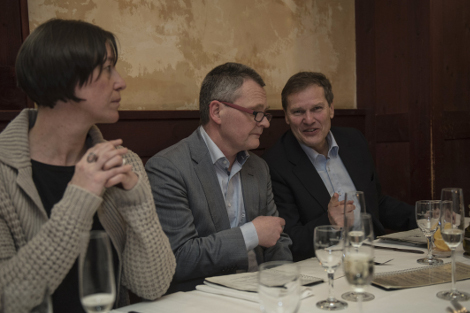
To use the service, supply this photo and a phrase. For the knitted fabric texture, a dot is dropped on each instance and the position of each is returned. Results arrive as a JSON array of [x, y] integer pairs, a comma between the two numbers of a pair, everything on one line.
[[38, 252]]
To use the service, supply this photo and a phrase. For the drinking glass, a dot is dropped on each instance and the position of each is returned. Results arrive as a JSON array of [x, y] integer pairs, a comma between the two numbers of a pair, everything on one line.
[[427, 217], [96, 275], [328, 243], [279, 287], [358, 228], [358, 262], [452, 228]]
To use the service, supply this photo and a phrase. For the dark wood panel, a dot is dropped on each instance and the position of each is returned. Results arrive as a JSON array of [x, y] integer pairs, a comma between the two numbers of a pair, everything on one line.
[[394, 170], [147, 132], [10, 31], [456, 125], [392, 128], [14, 28], [365, 53], [456, 171]]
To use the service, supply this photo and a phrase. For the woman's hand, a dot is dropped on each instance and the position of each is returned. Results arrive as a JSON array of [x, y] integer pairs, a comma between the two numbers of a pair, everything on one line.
[[103, 166]]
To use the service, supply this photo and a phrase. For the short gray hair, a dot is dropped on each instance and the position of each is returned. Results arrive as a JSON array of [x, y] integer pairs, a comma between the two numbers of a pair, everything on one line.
[[223, 84]]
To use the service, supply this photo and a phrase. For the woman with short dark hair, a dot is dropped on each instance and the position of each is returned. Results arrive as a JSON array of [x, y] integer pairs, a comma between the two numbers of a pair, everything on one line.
[[60, 178]]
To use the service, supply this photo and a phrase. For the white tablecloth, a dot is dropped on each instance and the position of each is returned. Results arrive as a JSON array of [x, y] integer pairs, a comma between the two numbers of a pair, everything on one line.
[[406, 300]]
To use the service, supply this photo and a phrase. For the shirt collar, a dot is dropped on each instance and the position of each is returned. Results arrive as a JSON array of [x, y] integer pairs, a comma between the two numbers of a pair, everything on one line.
[[333, 148], [214, 151]]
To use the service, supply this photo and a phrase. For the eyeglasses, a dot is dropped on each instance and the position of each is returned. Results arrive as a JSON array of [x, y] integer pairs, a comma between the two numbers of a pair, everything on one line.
[[258, 114]]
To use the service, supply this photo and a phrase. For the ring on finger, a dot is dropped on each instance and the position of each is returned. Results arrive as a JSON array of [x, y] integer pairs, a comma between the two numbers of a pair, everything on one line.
[[123, 162], [91, 157]]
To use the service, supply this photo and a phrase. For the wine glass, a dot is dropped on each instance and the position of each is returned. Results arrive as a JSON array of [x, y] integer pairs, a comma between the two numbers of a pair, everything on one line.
[[357, 232], [279, 287], [96, 275], [328, 243], [427, 218], [452, 224], [358, 227], [358, 262]]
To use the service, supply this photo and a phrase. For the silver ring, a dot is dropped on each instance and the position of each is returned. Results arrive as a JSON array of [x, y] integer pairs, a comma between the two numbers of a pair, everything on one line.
[[123, 162], [91, 158]]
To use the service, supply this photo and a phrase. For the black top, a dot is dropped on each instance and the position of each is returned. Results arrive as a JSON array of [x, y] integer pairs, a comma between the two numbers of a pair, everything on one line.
[[51, 182]]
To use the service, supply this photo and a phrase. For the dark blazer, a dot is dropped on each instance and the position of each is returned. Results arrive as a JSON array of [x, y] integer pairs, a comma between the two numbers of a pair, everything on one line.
[[302, 198], [192, 212]]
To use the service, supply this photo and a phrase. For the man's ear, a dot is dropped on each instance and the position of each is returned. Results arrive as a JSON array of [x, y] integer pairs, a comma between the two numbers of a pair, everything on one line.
[[214, 111], [332, 110], [285, 116]]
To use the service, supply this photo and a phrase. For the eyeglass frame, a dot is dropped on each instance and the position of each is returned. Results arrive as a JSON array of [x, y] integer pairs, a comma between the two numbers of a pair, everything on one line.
[[268, 116]]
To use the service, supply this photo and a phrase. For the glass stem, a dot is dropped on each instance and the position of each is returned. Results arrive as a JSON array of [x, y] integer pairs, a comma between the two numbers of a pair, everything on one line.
[[359, 302], [429, 247], [454, 289], [331, 276]]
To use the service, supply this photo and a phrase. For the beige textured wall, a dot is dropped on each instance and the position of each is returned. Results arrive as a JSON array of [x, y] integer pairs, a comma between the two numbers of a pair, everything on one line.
[[168, 46]]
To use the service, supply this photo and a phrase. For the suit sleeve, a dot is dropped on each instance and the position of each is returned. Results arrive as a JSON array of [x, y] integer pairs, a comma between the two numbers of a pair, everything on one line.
[[281, 250], [177, 206], [300, 232]]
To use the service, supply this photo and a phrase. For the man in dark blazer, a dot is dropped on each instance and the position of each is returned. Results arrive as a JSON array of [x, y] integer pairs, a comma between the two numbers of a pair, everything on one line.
[[313, 164], [213, 197]]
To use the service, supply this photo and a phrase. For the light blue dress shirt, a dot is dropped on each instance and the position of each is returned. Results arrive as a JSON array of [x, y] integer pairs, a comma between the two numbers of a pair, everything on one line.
[[231, 186], [332, 171]]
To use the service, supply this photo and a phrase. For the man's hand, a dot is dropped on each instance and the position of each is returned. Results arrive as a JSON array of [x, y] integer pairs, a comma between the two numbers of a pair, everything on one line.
[[269, 229], [336, 210]]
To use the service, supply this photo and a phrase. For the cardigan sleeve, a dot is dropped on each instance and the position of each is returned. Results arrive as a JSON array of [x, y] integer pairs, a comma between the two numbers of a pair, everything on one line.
[[147, 259], [44, 261]]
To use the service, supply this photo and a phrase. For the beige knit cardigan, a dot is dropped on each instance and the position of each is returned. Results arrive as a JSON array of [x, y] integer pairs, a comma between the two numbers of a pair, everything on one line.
[[36, 252]]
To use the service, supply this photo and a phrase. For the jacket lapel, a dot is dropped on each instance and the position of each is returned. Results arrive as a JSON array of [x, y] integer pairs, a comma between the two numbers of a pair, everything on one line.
[[208, 178], [305, 171], [352, 160]]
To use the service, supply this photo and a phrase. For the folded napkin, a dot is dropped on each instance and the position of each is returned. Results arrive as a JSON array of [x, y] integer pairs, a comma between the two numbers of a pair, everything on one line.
[[244, 295]]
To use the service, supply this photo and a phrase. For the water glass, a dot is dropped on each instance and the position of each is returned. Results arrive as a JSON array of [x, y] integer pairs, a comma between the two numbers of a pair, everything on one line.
[[428, 214], [328, 243], [452, 230], [357, 232], [279, 287], [96, 274]]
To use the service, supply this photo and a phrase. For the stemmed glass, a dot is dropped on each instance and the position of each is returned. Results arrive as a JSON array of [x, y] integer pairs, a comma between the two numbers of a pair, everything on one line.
[[427, 217], [328, 243], [96, 275], [358, 261], [358, 227], [279, 287], [452, 224]]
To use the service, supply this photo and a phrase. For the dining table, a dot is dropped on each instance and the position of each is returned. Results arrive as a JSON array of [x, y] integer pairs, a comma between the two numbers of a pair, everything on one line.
[[418, 299]]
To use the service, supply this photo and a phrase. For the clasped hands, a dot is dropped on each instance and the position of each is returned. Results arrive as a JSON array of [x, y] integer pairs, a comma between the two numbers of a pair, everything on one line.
[[336, 210], [103, 166]]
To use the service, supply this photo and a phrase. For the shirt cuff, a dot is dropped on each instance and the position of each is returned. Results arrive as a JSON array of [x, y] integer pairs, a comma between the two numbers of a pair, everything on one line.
[[249, 235]]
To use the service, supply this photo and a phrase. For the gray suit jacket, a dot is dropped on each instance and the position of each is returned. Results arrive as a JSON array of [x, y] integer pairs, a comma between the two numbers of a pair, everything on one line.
[[192, 212]]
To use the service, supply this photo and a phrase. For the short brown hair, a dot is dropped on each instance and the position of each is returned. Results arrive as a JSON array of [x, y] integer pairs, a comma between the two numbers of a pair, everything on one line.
[[302, 81]]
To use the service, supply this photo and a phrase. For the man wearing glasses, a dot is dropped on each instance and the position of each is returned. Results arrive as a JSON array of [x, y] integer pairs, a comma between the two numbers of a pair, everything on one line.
[[213, 197]]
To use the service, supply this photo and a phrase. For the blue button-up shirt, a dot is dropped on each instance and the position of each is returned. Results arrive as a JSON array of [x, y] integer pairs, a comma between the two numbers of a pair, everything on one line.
[[231, 187], [332, 171]]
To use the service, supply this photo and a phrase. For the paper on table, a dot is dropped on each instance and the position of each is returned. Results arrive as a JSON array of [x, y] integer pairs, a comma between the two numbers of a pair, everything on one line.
[[249, 281], [412, 237], [244, 295], [422, 276]]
